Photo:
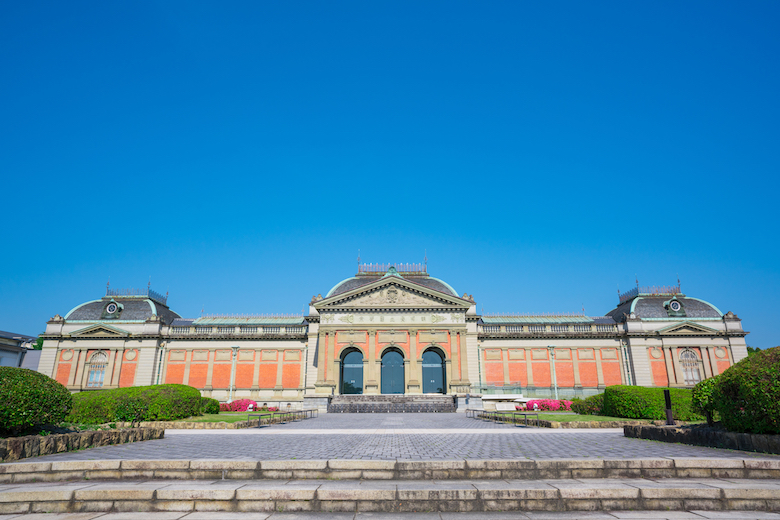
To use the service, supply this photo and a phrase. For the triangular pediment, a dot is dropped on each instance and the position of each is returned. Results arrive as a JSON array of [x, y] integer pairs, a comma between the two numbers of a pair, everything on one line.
[[100, 330], [687, 328], [392, 292]]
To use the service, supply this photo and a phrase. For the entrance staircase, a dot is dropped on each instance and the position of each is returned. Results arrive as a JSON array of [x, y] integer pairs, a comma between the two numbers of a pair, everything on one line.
[[392, 403]]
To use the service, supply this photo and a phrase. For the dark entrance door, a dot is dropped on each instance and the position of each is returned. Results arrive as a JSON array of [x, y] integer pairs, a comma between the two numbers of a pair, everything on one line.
[[432, 372], [392, 373], [352, 373]]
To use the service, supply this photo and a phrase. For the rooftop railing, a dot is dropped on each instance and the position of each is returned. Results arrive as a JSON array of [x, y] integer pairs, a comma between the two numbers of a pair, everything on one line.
[[401, 268], [146, 293], [650, 290]]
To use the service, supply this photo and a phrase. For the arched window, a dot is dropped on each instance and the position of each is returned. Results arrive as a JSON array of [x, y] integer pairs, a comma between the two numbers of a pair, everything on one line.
[[97, 369], [689, 362]]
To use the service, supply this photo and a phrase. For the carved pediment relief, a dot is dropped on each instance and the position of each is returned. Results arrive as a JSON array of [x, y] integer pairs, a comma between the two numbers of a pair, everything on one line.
[[392, 293], [687, 328], [101, 331]]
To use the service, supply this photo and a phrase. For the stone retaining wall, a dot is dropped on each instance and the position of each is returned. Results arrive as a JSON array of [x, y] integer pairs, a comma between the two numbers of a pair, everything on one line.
[[179, 425], [388, 469], [16, 448], [709, 437]]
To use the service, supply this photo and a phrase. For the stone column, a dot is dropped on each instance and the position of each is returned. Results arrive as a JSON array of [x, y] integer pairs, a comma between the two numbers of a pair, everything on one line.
[[279, 370], [74, 366], [406, 374], [455, 350], [187, 362], [575, 362], [671, 378], [79, 380], [109, 375], [599, 369], [333, 376], [254, 391], [713, 361], [505, 361], [706, 354], [529, 370], [321, 358], [448, 375], [371, 385], [415, 377], [677, 367], [210, 369]]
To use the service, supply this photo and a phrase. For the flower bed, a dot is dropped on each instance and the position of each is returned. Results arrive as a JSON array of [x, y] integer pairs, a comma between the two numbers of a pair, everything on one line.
[[547, 405]]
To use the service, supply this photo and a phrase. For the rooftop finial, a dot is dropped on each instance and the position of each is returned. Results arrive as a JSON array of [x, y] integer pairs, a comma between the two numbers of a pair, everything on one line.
[[358, 259], [679, 285], [149, 285], [636, 279], [108, 283], [426, 259]]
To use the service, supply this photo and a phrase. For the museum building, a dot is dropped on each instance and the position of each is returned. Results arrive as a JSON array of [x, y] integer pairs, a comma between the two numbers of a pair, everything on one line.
[[391, 329]]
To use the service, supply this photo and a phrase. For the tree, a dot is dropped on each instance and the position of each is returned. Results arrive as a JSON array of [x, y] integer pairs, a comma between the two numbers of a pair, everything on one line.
[[38, 344]]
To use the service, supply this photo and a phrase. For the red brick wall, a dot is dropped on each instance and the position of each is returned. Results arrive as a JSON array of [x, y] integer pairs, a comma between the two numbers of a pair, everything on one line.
[[198, 374], [291, 375]]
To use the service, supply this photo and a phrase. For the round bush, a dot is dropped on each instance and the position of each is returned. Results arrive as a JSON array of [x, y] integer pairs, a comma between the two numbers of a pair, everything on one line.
[[592, 405], [703, 399], [140, 403], [30, 399], [209, 405], [747, 395]]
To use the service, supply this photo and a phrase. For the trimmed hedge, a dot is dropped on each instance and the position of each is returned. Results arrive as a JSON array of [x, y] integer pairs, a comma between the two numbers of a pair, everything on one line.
[[638, 402], [592, 405], [139, 403], [209, 405], [30, 399], [747, 395]]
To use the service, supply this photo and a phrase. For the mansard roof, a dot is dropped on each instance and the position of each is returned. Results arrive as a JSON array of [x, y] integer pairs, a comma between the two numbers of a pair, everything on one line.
[[654, 307], [136, 306]]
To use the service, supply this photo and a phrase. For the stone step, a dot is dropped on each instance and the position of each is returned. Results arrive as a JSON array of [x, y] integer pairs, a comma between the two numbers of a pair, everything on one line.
[[392, 496], [335, 469], [392, 403]]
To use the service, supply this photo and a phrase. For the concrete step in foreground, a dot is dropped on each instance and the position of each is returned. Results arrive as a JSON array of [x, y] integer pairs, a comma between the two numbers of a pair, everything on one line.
[[353, 496]]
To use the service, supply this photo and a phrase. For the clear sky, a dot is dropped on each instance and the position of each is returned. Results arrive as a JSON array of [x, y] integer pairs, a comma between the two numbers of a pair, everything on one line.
[[241, 153]]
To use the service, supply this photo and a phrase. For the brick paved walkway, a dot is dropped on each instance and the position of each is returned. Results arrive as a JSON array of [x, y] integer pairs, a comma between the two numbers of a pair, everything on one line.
[[395, 436]]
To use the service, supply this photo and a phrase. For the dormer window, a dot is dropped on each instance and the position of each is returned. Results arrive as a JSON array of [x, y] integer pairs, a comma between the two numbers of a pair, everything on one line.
[[111, 310], [674, 308]]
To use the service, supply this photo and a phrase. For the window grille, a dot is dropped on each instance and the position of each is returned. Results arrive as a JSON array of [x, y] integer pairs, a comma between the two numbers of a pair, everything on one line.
[[514, 328], [271, 330], [97, 370], [248, 330], [203, 330], [690, 367], [226, 330]]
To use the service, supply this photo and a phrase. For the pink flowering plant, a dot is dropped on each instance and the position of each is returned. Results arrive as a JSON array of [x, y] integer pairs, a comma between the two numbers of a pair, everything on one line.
[[549, 405], [240, 405]]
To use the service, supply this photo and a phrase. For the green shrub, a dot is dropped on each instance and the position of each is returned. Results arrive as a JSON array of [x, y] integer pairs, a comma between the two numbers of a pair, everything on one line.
[[30, 399], [638, 402], [139, 403], [702, 400], [747, 395], [209, 405], [592, 405]]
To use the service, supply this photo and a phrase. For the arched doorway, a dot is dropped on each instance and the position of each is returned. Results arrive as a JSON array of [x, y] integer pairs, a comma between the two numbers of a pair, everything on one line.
[[352, 372], [433, 372], [392, 372]]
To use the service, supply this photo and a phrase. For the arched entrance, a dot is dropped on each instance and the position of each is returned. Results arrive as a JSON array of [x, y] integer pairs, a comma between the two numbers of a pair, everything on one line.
[[392, 372], [433, 372], [352, 372]]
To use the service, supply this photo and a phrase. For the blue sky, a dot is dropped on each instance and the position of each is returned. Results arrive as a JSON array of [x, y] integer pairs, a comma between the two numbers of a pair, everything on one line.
[[544, 154]]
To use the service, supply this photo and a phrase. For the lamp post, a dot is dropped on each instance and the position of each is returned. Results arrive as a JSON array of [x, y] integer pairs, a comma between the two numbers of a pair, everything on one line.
[[233, 374], [551, 348]]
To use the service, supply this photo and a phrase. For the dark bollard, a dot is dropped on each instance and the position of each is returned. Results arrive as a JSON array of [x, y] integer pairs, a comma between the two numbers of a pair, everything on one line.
[[669, 418]]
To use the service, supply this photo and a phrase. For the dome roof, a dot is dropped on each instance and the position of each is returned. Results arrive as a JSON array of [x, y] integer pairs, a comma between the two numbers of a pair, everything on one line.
[[363, 279], [132, 309], [649, 307]]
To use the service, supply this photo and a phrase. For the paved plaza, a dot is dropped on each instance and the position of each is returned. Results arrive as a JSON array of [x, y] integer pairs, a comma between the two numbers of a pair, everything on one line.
[[396, 437]]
